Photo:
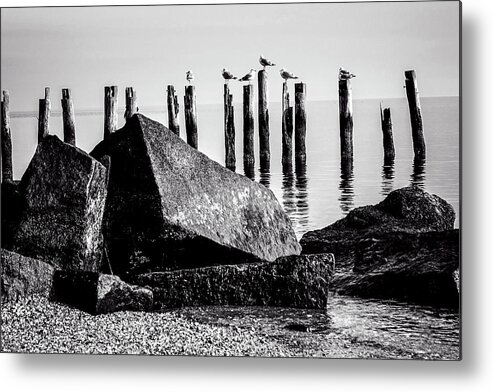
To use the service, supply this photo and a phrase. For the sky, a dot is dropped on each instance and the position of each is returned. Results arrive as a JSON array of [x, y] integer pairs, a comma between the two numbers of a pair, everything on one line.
[[149, 47]]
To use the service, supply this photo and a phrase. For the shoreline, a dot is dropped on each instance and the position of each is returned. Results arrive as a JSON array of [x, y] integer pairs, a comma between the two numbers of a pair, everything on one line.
[[36, 325]]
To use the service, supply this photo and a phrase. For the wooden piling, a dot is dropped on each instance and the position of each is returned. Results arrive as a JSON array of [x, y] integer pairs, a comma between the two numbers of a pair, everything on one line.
[[68, 115], [130, 103], [110, 110], [44, 115], [388, 139], [173, 110], [263, 120], [346, 121], [248, 128], [191, 116], [287, 131], [415, 112], [229, 130], [300, 123], [7, 167]]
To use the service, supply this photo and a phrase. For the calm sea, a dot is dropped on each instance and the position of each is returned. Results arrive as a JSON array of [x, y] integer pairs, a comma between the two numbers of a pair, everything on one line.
[[321, 195]]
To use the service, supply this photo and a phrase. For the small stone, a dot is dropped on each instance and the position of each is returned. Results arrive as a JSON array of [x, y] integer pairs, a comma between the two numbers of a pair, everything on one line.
[[24, 276], [99, 293]]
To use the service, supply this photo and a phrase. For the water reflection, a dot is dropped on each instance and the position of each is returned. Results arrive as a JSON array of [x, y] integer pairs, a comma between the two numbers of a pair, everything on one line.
[[265, 177], [301, 184], [346, 187], [387, 179], [288, 194], [418, 177]]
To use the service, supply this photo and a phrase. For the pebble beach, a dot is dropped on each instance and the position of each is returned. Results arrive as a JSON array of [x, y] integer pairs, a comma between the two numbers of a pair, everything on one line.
[[35, 325]]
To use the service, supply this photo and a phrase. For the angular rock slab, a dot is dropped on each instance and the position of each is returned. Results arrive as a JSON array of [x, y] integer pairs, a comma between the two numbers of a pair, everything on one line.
[[98, 293], [293, 281], [23, 276], [409, 209], [63, 193], [417, 267], [170, 206]]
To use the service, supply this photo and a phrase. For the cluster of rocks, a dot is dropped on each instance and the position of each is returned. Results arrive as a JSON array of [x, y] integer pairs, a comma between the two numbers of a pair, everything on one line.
[[146, 222], [145, 208], [404, 248]]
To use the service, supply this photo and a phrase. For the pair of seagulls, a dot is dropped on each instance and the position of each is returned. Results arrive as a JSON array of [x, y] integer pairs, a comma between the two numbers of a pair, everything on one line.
[[249, 76]]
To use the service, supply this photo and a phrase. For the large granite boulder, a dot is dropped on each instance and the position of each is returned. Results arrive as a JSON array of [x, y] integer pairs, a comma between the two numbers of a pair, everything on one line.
[[63, 193], [409, 210], [170, 206], [417, 267], [23, 276], [293, 281], [98, 293]]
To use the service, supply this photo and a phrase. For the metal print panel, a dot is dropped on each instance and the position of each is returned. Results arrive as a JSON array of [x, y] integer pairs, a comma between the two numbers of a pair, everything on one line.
[[271, 180]]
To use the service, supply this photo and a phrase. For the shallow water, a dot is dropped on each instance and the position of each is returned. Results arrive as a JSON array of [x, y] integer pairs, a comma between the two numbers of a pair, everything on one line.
[[320, 194], [401, 330]]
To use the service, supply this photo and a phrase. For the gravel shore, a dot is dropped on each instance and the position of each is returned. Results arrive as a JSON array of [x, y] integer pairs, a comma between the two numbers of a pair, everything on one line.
[[35, 325]]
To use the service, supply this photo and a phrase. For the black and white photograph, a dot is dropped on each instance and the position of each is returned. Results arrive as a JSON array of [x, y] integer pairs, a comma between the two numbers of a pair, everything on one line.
[[274, 180]]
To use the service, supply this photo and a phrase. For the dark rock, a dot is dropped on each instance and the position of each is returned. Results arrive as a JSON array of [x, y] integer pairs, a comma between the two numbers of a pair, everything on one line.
[[298, 327], [98, 293], [170, 206], [63, 194], [419, 267], [11, 207], [409, 210], [293, 281], [23, 276]]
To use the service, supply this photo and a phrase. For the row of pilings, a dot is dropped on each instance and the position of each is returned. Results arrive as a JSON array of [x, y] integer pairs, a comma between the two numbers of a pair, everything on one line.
[[293, 123]]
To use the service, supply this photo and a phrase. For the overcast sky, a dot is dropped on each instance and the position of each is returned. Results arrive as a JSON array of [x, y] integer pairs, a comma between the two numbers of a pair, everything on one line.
[[150, 47]]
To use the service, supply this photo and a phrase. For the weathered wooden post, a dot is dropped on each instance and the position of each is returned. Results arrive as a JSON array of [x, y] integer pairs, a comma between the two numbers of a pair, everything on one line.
[[7, 168], [248, 129], [415, 112], [173, 110], [130, 103], [300, 123], [388, 139], [68, 117], [346, 121], [263, 120], [191, 116], [229, 130], [44, 115], [287, 130], [110, 110]]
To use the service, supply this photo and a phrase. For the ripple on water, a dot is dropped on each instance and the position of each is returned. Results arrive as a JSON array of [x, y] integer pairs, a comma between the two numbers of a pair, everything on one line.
[[412, 330]]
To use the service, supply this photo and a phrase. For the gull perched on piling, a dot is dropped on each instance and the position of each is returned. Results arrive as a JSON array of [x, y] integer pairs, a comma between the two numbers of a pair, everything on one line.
[[228, 75], [285, 74], [248, 77], [190, 76], [265, 63], [345, 74]]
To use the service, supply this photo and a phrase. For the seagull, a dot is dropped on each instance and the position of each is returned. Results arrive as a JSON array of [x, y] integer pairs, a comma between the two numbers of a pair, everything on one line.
[[345, 74], [265, 63], [228, 75], [190, 76], [287, 75], [249, 76]]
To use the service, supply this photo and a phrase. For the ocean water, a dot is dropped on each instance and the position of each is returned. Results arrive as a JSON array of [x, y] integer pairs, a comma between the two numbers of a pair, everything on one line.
[[320, 194]]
